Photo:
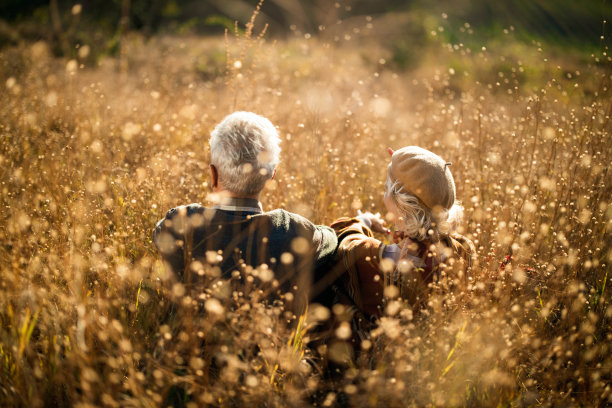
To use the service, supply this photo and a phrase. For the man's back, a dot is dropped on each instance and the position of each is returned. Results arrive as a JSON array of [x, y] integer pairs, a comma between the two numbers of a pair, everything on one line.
[[238, 237]]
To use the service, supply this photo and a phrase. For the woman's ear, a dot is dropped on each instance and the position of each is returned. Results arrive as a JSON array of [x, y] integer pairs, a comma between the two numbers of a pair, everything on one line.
[[214, 176]]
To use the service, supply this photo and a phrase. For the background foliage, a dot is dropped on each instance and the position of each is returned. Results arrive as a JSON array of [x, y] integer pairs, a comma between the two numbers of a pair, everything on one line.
[[578, 25]]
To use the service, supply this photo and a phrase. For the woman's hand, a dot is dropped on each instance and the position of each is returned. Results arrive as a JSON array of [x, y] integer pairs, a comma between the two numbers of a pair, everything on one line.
[[398, 236], [373, 221]]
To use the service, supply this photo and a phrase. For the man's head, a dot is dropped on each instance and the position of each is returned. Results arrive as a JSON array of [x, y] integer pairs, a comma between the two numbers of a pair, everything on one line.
[[244, 151]]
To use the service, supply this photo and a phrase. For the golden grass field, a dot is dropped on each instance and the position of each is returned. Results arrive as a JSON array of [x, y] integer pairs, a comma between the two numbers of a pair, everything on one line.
[[92, 155]]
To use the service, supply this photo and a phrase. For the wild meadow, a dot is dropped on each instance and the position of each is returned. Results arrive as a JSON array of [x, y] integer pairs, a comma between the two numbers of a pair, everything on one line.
[[93, 153]]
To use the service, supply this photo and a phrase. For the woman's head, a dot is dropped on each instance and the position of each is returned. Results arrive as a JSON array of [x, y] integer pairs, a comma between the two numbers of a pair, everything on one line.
[[420, 192]]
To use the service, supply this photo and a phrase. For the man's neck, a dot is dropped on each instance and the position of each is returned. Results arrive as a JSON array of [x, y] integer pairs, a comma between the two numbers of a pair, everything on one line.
[[237, 203], [222, 194], [246, 197]]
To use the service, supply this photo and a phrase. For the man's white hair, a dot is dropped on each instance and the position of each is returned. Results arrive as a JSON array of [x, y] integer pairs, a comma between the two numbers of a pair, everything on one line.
[[416, 219], [245, 149]]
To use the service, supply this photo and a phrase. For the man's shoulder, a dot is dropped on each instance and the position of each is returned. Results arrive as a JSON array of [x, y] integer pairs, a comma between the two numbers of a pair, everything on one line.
[[287, 218], [287, 221], [186, 210], [173, 220], [280, 213]]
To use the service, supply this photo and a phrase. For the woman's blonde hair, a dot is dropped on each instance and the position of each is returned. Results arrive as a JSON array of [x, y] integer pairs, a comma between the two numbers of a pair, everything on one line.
[[418, 221]]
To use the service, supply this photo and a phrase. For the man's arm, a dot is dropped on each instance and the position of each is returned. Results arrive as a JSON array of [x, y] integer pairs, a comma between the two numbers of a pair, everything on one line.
[[325, 243], [169, 241]]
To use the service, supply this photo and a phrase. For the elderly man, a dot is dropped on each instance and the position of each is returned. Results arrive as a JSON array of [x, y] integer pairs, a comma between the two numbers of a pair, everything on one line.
[[235, 234]]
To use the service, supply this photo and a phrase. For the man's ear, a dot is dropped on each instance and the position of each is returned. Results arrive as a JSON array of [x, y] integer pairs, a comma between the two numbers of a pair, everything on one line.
[[214, 176]]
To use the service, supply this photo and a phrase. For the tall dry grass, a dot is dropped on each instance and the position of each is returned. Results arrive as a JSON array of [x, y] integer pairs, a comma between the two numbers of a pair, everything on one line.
[[91, 159]]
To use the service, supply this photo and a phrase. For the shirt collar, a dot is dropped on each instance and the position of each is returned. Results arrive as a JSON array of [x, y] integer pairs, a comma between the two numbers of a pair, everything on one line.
[[251, 205]]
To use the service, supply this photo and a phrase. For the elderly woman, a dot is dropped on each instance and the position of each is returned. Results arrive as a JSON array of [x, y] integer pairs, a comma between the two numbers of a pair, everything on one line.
[[420, 195]]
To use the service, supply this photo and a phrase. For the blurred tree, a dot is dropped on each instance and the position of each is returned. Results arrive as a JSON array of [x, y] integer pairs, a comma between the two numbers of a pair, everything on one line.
[[58, 36], [558, 21], [124, 26]]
